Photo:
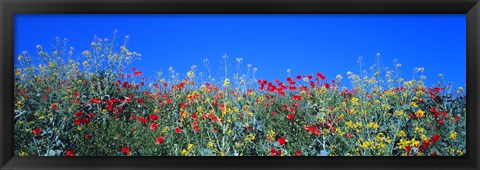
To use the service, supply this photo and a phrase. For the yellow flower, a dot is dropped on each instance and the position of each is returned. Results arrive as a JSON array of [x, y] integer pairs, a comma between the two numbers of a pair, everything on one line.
[[210, 144], [373, 125], [226, 82], [190, 74], [403, 143], [190, 146], [23, 154], [354, 100], [419, 130], [420, 113], [184, 152], [366, 144], [414, 143], [453, 135]]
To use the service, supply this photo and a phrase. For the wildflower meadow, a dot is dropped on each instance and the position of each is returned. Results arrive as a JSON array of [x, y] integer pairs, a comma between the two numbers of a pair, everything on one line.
[[94, 103]]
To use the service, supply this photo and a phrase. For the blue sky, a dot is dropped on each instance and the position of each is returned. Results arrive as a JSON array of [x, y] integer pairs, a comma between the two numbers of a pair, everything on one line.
[[330, 44]]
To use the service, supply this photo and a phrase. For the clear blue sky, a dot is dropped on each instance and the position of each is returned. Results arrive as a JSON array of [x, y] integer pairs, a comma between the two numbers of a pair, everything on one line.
[[306, 44]]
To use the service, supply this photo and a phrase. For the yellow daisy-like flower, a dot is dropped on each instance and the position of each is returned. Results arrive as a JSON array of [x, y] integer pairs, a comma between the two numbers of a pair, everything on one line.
[[453, 135], [226, 82]]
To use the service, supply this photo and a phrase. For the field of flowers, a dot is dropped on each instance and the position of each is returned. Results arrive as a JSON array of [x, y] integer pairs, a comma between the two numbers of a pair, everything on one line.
[[94, 104]]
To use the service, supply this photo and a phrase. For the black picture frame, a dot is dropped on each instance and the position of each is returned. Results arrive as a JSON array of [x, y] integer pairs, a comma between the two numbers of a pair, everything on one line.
[[9, 8]]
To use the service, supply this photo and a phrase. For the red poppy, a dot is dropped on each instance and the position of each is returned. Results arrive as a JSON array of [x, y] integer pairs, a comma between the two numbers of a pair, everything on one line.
[[296, 97], [306, 127], [153, 117], [281, 140], [96, 100], [425, 144], [434, 154], [70, 153], [435, 138], [289, 79], [310, 77], [408, 149], [159, 140], [110, 107], [178, 130], [84, 120], [87, 136], [54, 106], [79, 113], [457, 118], [319, 75], [126, 151], [153, 126], [137, 73], [77, 121], [299, 77], [36, 131], [273, 152], [298, 153], [142, 119], [290, 116]]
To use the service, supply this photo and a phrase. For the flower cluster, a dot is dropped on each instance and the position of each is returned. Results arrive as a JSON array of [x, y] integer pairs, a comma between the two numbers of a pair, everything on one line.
[[95, 106]]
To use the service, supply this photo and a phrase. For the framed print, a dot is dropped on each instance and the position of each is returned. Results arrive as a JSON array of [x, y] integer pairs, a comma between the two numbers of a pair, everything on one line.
[[246, 85]]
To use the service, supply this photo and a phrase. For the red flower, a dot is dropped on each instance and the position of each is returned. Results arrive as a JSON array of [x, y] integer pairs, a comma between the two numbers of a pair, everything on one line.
[[77, 121], [290, 116], [87, 136], [142, 119], [137, 73], [159, 140], [434, 154], [84, 120], [153, 117], [289, 79], [299, 77], [178, 130], [457, 118], [298, 153], [295, 97], [319, 75], [281, 140], [349, 135], [126, 151], [435, 138], [273, 152], [70, 153], [79, 113], [96, 100], [36, 131], [153, 126], [407, 149], [306, 127], [110, 107], [54, 106]]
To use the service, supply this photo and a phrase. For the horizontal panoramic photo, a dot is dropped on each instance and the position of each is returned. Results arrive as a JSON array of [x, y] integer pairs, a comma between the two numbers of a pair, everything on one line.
[[240, 85]]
